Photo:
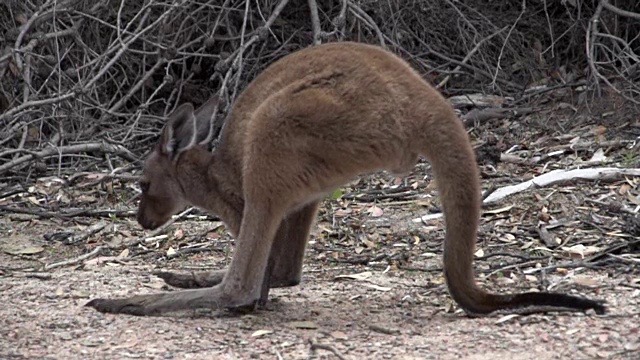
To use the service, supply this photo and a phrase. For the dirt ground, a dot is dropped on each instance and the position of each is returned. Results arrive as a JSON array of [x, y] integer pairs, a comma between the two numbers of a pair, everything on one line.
[[372, 285]]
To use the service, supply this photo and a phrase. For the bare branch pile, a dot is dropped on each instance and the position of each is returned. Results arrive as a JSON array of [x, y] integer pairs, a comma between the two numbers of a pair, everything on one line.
[[82, 81]]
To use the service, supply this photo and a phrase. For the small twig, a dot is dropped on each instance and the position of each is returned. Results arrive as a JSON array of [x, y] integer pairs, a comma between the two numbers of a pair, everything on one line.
[[421, 269], [70, 149], [619, 11], [382, 196], [315, 345], [592, 30], [91, 230], [25, 28], [341, 21], [467, 66], [522, 257], [84, 257], [34, 103], [125, 45], [185, 251], [67, 215], [625, 259], [504, 44], [362, 15], [161, 229], [479, 116], [468, 57], [612, 249], [383, 330], [315, 21], [573, 265]]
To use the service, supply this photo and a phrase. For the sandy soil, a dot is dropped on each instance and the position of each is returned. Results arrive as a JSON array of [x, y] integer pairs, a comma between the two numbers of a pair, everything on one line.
[[382, 313]]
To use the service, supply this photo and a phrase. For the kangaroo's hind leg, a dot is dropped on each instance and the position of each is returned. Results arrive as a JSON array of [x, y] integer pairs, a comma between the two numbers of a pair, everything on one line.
[[287, 253], [286, 257]]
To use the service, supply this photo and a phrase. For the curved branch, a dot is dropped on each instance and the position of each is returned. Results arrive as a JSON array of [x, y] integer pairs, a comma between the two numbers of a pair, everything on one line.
[[625, 13], [70, 149]]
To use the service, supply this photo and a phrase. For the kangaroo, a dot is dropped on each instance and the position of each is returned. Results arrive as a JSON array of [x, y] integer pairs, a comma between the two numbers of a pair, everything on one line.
[[309, 123]]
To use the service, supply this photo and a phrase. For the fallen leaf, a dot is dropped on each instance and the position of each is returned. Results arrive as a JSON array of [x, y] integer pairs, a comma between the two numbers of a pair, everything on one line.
[[544, 214], [599, 130], [361, 276], [506, 318], [383, 329], [500, 210], [157, 285], [343, 212], [86, 199], [531, 278], [79, 294], [507, 238], [633, 199], [598, 156], [624, 189], [337, 194], [375, 211], [27, 250], [449, 308], [580, 251], [377, 287], [259, 333], [585, 280], [339, 335], [575, 140], [370, 244], [429, 255], [479, 253], [99, 260], [632, 346], [504, 281], [526, 245], [303, 324], [429, 217], [171, 251]]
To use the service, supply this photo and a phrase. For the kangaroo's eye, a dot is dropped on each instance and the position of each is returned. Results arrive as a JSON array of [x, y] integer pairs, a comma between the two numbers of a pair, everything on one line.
[[144, 186]]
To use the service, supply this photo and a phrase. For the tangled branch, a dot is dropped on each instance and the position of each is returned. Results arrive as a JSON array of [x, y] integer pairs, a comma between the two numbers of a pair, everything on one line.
[[77, 73]]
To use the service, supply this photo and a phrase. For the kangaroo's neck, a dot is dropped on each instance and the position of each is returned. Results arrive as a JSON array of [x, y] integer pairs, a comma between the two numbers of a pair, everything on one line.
[[205, 181]]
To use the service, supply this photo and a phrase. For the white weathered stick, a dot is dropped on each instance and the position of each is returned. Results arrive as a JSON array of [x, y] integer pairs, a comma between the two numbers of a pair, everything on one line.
[[551, 178], [560, 176]]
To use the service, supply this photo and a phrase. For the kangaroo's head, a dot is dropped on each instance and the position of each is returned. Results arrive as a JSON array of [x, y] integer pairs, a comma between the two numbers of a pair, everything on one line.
[[162, 193]]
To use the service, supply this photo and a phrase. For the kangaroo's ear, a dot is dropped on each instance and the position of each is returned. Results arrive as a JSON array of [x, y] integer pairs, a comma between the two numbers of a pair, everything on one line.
[[205, 123], [179, 134]]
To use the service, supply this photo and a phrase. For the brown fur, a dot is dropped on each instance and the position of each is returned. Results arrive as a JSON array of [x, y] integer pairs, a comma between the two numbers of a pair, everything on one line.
[[309, 123]]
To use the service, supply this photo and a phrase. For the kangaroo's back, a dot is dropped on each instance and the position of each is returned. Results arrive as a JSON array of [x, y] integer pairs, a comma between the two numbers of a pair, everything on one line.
[[369, 79]]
